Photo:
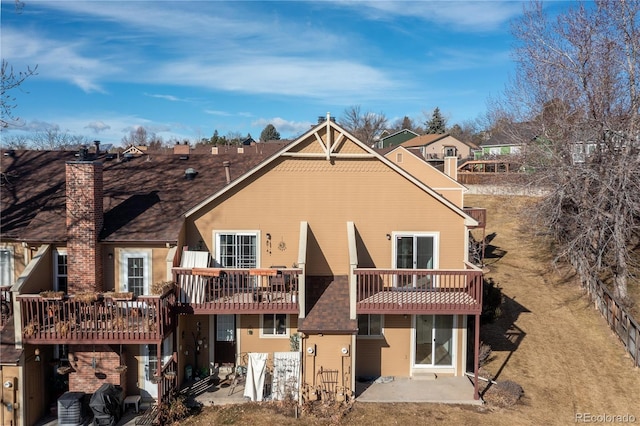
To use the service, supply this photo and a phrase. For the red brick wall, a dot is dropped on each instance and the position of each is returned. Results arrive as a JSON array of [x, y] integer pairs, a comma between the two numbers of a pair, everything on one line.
[[84, 223], [87, 379]]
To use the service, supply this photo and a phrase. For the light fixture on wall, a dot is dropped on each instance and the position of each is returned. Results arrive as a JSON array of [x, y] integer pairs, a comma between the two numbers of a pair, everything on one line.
[[250, 330], [388, 236], [37, 354], [268, 236]]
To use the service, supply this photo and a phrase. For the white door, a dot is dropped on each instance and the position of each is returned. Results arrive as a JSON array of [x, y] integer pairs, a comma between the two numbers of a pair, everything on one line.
[[415, 251], [149, 363]]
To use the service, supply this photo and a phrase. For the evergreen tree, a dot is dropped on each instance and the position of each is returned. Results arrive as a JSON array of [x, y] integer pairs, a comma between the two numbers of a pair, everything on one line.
[[215, 139], [437, 124], [269, 133]]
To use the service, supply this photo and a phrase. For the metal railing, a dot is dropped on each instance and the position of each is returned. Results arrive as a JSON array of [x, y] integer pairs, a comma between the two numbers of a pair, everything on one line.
[[419, 291], [237, 290]]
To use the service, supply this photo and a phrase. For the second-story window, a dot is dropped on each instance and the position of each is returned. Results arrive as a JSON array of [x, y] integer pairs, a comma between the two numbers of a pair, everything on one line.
[[135, 266], [237, 249], [60, 271]]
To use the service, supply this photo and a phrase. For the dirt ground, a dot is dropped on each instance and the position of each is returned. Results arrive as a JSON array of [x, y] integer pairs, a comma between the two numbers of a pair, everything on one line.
[[549, 339]]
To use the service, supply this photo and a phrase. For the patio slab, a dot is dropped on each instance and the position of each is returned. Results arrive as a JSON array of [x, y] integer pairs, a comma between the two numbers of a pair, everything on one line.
[[443, 390]]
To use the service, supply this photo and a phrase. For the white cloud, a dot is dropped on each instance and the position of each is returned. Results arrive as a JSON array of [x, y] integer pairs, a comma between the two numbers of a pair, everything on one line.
[[219, 113], [284, 127], [459, 15], [97, 126], [166, 97], [56, 59]]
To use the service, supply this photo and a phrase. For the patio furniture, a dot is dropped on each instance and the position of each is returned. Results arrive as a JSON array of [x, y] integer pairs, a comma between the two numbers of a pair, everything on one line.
[[133, 400]]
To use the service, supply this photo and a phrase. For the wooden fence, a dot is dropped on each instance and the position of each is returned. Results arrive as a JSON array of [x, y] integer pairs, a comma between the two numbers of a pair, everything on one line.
[[619, 319]]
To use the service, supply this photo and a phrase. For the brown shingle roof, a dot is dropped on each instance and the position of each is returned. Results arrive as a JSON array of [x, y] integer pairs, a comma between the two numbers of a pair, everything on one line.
[[144, 198], [328, 298]]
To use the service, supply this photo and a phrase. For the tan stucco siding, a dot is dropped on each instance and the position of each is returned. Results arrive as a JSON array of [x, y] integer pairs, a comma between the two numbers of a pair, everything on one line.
[[391, 354], [328, 356], [327, 195], [251, 340], [429, 175], [113, 267], [437, 147], [388, 355]]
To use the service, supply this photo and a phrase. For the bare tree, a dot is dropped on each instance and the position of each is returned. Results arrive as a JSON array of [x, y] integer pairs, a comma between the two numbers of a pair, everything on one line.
[[138, 137], [54, 139], [576, 88], [11, 80], [366, 126]]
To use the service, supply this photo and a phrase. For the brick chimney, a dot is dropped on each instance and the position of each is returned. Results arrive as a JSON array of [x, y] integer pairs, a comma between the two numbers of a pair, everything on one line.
[[84, 223]]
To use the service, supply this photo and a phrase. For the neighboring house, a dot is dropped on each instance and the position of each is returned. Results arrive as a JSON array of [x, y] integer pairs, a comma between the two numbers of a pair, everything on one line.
[[491, 151], [395, 138], [173, 269], [436, 147]]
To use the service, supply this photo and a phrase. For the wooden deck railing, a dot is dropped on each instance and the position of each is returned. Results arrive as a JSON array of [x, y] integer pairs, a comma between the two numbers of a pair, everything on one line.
[[144, 319], [419, 291], [479, 214], [217, 290], [168, 380], [6, 305]]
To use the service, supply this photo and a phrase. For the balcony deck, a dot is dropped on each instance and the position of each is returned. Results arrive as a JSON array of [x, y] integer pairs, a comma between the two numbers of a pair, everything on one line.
[[479, 214], [224, 290], [419, 291], [145, 319]]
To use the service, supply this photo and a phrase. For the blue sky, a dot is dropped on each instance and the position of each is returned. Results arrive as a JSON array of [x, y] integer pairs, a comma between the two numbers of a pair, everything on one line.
[[184, 69]]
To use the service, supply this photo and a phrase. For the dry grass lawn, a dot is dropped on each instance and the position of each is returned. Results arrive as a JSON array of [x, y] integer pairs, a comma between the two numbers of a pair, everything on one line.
[[549, 339]]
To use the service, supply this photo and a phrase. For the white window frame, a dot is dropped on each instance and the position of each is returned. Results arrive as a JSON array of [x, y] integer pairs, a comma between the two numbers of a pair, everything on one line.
[[450, 147], [125, 255], [414, 234], [369, 335], [285, 335], [59, 252], [236, 232], [11, 267]]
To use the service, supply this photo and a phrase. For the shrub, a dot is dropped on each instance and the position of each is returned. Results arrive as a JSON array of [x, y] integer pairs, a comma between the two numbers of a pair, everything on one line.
[[484, 355], [504, 394], [173, 410], [491, 301]]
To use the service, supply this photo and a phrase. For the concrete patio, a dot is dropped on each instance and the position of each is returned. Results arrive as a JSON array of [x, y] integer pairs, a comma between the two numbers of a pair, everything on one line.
[[443, 390]]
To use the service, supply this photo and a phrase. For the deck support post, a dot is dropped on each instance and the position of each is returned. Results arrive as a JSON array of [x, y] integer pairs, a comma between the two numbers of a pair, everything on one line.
[[476, 357]]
